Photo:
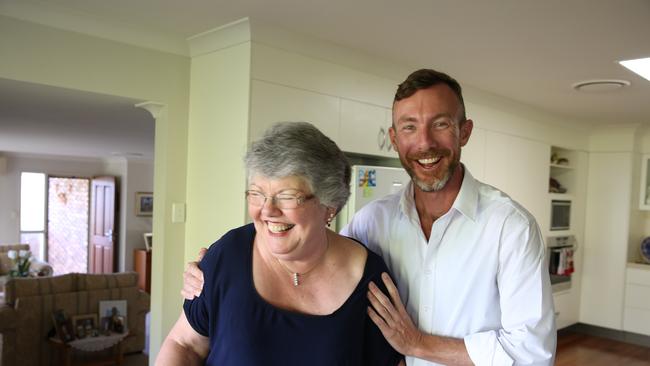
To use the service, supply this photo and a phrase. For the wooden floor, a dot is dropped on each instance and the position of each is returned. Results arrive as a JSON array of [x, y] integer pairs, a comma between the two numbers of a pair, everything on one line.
[[575, 349]]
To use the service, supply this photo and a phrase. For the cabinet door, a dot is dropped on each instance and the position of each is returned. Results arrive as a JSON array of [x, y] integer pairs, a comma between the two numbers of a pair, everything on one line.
[[271, 103], [363, 129], [519, 167]]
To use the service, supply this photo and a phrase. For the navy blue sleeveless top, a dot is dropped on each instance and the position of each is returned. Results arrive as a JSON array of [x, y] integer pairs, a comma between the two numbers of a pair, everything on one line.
[[244, 329]]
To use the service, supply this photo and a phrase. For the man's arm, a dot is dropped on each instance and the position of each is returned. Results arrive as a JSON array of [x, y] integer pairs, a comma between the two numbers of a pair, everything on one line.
[[397, 327], [193, 278], [183, 345]]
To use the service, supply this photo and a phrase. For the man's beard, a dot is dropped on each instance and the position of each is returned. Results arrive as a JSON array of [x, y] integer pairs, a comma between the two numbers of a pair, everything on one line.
[[438, 184]]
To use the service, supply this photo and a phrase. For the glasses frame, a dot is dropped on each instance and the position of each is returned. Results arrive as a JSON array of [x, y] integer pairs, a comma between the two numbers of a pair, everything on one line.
[[300, 200]]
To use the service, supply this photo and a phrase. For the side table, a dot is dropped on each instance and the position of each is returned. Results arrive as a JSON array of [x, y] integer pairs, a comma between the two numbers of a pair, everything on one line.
[[92, 344]]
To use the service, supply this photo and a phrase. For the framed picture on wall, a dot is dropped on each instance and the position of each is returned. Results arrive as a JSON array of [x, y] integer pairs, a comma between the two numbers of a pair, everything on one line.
[[143, 203]]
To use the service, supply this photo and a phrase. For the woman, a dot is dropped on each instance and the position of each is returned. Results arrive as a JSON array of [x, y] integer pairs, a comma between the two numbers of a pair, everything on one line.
[[285, 290]]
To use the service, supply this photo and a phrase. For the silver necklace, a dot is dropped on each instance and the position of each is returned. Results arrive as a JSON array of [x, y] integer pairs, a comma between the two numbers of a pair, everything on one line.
[[295, 276]]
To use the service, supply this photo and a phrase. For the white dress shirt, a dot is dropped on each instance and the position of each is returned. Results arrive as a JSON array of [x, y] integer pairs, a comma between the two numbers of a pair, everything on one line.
[[481, 276]]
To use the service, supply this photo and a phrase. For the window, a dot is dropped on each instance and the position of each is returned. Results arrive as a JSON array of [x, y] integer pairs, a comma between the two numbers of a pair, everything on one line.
[[32, 212]]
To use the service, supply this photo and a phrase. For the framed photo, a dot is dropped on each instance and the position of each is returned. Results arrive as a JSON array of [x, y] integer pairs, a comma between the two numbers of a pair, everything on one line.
[[143, 203], [113, 316], [148, 240], [63, 326], [84, 324]]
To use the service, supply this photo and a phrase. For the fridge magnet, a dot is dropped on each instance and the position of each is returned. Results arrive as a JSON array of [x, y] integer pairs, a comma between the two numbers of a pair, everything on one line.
[[367, 178]]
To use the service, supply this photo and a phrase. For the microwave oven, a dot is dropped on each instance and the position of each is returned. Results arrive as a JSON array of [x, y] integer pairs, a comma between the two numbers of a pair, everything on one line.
[[560, 215]]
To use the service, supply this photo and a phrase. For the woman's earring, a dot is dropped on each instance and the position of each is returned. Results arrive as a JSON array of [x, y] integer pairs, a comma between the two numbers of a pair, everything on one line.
[[330, 218]]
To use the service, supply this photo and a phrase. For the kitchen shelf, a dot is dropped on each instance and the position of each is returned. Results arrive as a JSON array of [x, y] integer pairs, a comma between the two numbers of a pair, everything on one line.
[[560, 196]]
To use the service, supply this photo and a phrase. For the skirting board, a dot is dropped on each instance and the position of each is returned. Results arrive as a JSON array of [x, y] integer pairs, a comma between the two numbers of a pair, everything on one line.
[[616, 335]]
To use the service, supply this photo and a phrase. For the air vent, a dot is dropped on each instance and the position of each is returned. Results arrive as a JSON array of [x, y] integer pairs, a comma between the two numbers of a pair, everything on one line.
[[600, 86]]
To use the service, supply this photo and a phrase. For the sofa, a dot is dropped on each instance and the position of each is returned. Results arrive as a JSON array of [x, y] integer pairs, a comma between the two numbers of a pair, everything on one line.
[[26, 316], [37, 267]]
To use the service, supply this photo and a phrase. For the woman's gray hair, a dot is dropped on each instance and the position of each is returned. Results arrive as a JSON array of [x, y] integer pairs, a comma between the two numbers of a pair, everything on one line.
[[300, 149]]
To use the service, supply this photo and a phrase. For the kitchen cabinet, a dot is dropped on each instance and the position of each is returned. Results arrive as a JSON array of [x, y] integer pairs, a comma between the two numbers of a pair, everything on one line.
[[364, 129], [271, 103], [517, 166], [607, 232], [636, 317]]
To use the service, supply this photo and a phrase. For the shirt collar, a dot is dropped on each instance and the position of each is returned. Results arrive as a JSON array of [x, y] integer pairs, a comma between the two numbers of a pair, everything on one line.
[[466, 202]]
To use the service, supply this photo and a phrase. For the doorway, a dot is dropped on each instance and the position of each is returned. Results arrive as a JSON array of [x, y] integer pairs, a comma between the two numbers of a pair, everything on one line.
[[67, 224]]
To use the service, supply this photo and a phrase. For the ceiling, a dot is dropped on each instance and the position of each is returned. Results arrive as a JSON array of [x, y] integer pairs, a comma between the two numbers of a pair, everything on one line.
[[524, 50], [45, 120]]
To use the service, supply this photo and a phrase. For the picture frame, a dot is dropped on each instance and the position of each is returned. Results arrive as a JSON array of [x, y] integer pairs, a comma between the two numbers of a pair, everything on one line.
[[109, 318], [143, 203], [148, 241], [63, 326], [84, 324]]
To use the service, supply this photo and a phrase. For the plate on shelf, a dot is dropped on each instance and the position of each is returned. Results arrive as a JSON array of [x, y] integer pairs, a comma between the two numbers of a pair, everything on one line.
[[645, 250]]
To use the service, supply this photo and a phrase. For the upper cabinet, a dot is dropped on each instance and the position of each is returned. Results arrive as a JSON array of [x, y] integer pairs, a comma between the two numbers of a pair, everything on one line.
[[516, 166], [271, 103], [364, 129]]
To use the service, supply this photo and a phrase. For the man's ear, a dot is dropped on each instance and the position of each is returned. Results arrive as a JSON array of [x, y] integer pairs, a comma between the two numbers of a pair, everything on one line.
[[393, 137], [466, 131]]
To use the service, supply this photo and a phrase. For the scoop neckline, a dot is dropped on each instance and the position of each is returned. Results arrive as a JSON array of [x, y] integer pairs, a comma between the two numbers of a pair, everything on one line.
[[251, 282]]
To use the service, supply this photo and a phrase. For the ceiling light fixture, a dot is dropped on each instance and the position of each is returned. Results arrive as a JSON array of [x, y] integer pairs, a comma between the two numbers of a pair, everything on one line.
[[640, 66], [600, 85]]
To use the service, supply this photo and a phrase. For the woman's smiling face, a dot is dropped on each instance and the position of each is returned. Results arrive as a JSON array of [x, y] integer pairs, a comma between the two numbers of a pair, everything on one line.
[[286, 232]]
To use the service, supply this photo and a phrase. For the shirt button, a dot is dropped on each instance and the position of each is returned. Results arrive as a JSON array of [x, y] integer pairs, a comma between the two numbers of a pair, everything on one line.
[[426, 309], [427, 272]]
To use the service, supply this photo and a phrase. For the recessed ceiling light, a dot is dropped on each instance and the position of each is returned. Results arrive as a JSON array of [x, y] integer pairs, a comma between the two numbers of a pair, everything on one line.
[[640, 66], [600, 85]]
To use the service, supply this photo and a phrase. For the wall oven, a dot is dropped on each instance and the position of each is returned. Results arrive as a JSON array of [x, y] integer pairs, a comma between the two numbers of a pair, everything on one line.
[[560, 250]]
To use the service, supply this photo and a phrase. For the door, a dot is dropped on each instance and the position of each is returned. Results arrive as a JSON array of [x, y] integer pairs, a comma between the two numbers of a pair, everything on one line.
[[102, 256]]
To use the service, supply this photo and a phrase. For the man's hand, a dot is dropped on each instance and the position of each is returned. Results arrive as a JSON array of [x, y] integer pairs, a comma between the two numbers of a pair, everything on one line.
[[193, 278], [392, 319]]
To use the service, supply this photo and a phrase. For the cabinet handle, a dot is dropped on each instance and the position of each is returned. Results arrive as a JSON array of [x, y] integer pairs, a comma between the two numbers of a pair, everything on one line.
[[381, 138]]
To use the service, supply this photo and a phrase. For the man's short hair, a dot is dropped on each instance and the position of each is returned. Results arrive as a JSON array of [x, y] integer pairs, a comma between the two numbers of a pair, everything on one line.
[[426, 78]]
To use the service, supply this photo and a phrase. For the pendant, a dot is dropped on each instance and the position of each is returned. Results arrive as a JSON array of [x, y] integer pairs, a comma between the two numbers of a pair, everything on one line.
[[295, 279]]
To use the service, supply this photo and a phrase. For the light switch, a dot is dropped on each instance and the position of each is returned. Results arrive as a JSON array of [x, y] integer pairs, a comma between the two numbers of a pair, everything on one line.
[[178, 212]]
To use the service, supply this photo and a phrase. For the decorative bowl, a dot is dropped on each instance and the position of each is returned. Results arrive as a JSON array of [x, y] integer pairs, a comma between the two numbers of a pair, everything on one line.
[[645, 250]]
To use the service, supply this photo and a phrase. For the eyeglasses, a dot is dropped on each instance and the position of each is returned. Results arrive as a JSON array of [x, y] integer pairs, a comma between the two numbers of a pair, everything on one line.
[[282, 201]]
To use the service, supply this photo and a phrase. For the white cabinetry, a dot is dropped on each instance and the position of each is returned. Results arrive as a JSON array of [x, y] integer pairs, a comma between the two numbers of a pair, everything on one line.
[[271, 103], [636, 317], [364, 129], [607, 226], [516, 166]]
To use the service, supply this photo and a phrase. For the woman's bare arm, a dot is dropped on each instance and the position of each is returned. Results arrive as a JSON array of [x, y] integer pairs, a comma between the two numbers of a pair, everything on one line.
[[183, 345]]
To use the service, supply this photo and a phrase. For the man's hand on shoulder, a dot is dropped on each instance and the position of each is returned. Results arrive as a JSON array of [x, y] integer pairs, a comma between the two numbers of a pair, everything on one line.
[[193, 278]]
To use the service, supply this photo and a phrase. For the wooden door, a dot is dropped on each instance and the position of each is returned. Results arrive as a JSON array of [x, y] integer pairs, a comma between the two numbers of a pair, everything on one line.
[[102, 256]]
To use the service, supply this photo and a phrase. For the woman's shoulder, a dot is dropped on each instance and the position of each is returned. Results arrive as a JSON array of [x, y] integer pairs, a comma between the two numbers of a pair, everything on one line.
[[372, 262], [231, 244]]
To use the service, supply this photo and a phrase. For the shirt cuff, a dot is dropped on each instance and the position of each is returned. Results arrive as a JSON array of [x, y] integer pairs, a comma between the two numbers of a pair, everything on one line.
[[484, 349]]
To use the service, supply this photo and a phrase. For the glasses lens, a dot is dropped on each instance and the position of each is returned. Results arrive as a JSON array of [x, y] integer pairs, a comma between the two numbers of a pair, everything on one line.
[[255, 198], [286, 201]]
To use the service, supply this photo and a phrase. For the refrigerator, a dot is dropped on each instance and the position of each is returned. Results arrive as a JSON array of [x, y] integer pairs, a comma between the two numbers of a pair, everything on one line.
[[369, 183]]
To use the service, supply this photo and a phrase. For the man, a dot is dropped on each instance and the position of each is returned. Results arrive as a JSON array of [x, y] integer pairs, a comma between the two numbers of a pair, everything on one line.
[[468, 260]]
